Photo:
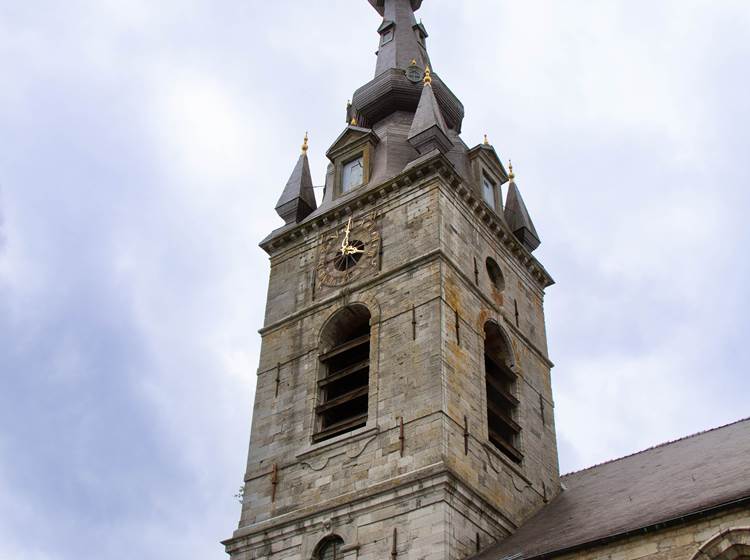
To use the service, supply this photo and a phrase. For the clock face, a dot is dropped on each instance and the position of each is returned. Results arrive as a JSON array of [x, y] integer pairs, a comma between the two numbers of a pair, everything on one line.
[[348, 252]]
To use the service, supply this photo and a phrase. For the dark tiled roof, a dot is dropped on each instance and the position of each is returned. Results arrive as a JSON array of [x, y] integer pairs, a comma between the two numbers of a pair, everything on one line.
[[518, 218], [661, 484]]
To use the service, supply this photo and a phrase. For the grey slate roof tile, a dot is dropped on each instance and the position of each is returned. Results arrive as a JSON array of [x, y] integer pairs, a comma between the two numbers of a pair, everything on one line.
[[517, 217], [297, 200]]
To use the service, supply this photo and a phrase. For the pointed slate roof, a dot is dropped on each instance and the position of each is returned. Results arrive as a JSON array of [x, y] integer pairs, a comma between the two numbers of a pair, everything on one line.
[[517, 217], [297, 200], [658, 487], [428, 130]]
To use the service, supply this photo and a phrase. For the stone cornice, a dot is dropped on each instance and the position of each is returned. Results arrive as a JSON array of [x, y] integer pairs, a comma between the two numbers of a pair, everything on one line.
[[401, 487], [439, 166]]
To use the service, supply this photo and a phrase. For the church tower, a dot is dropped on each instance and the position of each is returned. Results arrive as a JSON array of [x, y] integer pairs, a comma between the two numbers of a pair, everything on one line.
[[403, 407]]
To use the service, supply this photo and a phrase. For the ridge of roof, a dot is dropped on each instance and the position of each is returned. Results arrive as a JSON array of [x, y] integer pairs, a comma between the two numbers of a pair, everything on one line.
[[653, 447]]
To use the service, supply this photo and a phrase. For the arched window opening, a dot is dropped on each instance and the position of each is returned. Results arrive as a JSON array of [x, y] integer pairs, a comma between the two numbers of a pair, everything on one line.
[[330, 549], [495, 274], [345, 362], [502, 403], [727, 544]]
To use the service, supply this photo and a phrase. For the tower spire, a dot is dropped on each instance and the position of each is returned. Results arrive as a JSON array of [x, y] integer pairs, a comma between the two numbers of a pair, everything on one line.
[[402, 39], [399, 70]]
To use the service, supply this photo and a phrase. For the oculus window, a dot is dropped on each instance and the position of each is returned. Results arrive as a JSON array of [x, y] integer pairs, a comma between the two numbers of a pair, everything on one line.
[[352, 174], [495, 274]]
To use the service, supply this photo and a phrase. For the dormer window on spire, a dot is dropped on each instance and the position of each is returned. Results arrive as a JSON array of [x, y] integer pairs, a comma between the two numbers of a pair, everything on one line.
[[489, 191], [352, 174], [386, 30]]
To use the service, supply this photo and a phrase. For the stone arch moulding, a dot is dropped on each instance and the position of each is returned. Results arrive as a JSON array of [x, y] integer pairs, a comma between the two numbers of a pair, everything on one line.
[[727, 544], [315, 543], [372, 305], [506, 339]]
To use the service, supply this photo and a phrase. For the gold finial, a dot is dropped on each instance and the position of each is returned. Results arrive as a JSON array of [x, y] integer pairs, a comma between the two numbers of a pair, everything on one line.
[[413, 62], [304, 145], [486, 141], [427, 76], [354, 121], [511, 175]]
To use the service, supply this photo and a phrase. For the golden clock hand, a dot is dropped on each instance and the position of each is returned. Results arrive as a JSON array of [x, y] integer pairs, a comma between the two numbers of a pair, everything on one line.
[[345, 242], [351, 250]]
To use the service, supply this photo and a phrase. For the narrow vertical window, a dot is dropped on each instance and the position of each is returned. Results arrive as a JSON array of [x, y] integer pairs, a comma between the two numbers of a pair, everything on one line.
[[502, 404], [488, 192], [345, 365]]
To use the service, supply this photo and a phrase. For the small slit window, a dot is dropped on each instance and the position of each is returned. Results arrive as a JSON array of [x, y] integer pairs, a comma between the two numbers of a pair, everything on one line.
[[502, 404], [345, 364], [386, 38]]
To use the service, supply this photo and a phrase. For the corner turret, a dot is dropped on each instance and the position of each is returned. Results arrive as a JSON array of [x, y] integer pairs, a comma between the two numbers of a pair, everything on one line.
[[298, 199], [517, 216], [428, 130]]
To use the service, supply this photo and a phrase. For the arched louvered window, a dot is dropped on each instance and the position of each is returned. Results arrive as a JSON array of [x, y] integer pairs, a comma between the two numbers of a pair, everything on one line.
[[330, 549], [345, 366], [500, 381]]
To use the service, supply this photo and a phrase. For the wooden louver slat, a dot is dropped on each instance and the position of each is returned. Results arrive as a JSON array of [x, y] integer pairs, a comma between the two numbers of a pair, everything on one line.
[[350, 396], [341, 348], [339, 427], [335, 376], [502, 391]]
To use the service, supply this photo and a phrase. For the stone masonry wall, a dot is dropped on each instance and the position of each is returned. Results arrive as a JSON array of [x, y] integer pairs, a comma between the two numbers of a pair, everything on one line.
[[516, 491], [360, 485], [674, 543]]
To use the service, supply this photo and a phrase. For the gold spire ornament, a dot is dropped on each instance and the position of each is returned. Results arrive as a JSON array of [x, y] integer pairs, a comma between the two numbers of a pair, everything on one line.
[[427, 76], [511, 175], [304, 145], [486, 141], [354, 121]]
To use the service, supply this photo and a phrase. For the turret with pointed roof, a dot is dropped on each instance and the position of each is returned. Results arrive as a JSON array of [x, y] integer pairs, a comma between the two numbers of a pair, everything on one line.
[[428, 130], [297, 201], [517, 216]]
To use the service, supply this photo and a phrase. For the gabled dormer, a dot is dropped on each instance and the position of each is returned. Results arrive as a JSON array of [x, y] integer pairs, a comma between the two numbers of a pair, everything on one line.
[[351, 158], [488, 174]]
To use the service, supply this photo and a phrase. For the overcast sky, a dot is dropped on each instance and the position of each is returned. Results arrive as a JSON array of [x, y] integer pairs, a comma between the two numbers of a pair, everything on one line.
[[143, 146]]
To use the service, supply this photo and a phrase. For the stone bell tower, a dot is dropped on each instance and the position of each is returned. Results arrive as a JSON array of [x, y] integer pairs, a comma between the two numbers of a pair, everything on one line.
[[403, 405]]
